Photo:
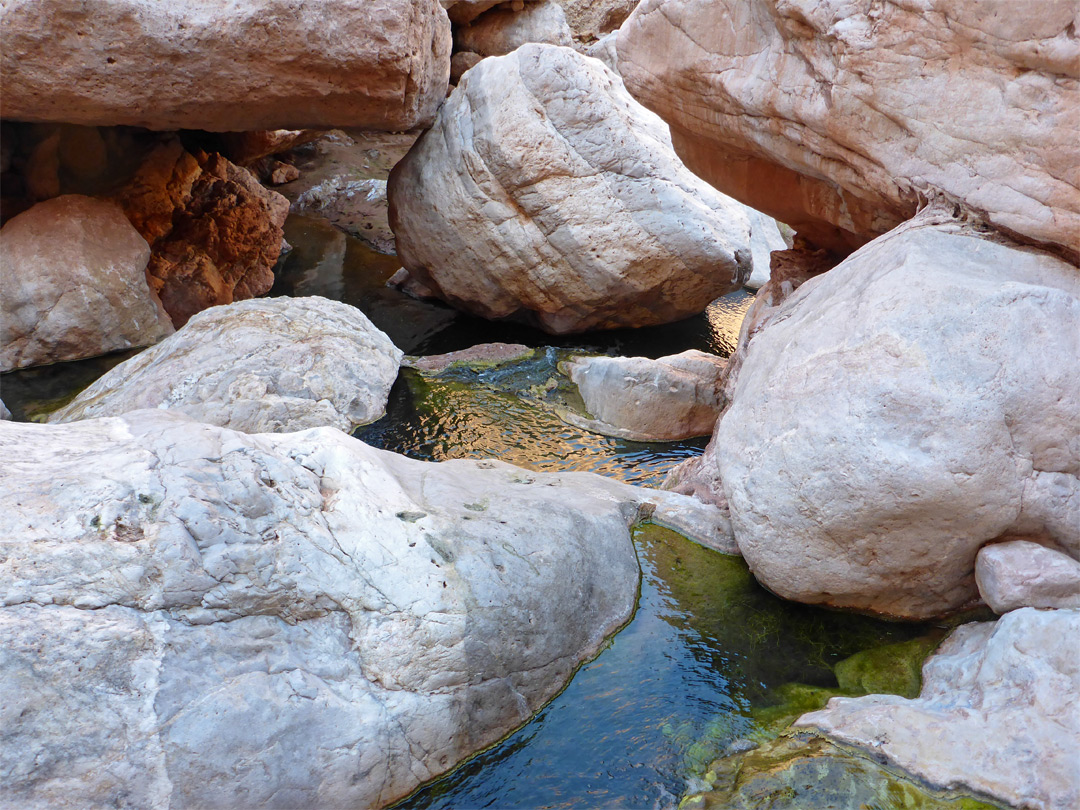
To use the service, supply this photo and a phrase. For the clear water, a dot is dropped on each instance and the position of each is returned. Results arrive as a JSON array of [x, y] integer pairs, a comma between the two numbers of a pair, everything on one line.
[[706, 646]]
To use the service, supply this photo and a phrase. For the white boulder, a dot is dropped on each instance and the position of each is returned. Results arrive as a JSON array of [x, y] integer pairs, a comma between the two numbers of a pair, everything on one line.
[[899, 412], [646, 400], [263, 365], [1019, 573], [504, 29], [196, 617], [997, 713], [74, 284], [545, 193]]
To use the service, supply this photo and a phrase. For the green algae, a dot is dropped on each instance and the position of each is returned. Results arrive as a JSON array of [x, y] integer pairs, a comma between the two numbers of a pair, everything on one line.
[[808, 772]]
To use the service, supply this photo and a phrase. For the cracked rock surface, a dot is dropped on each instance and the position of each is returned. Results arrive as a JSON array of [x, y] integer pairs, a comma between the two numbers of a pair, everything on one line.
[[997, 713], [839, 116], [544, 192], [259, 366], [75, 284], [899, 412], [195, 617], [247, 65]]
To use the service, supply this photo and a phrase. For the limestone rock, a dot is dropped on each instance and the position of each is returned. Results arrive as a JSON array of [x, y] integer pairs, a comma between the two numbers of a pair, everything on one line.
[[645, 400], [250, 65], [885, 425], [464, 11], [214, 231], [997, 713], [840, 117], [593, 19], [1020, 573], [480, 356], [75, 284], [195, 617], [504, 29], [266, 365], [461, 62], [545, 193], [604, 50], [357, 207]]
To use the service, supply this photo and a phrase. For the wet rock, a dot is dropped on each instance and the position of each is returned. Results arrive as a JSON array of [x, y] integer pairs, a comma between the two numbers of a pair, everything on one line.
[[480, 356], [1020, 573], [908, 434], [315, 63], [5, 414], [813, 112], [214, 231], [75, 284], [504, 29], [997, 713], [545, 193], [267, 365], [293, 618], [636, 398], [357, 207]]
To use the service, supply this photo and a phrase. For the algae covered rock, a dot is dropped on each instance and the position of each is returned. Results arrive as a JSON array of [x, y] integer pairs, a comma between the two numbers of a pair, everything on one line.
[[266, 365]]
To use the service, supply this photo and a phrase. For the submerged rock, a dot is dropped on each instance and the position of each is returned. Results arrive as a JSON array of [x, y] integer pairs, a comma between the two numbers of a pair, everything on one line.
[[75, 284], [254, 64], [841, 118], [997, 713], [884, 425], [544, 192], [636, 398], [214, 231], [504, 29], [294, 618], [483, 355], [1020, 573], [268, 365]]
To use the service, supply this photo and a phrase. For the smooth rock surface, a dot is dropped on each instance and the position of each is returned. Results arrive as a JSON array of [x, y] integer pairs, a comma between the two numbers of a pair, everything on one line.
[[215, 233], [247, 65], [357, 207], [5, 414], [604, 49], [75, 284], [545, 193], [886, 423], [997, 713], [840, 117], [266, 365], [502, 30], [765, 237], [195, 617], [645, 400], [1019, 573]]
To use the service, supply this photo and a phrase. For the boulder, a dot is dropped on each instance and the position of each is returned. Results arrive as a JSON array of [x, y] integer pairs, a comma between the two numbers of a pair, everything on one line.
[[997, 713], [250, 65], [465, 11], [840, 118], [504, 29], [357, 207], [266, 365], [244, 148], [461, 62], [545, 193], [645, 400], [1019, 573], [885, 424], [196, 617], [75, 284], [604, 50], [5, 414], [593, 19], [214, 231]]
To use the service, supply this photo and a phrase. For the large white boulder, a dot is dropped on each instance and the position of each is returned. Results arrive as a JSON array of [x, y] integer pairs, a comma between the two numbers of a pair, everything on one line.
[[264, 365], [641, 399], [997, 713], [544, 192], [74, 284], [196, 617], [840, 117], [901, 411], [1019, 573], [246, 65]]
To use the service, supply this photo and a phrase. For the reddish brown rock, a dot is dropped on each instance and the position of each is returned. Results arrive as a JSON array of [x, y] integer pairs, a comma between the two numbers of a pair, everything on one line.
[[840, 117], [214, 231]]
